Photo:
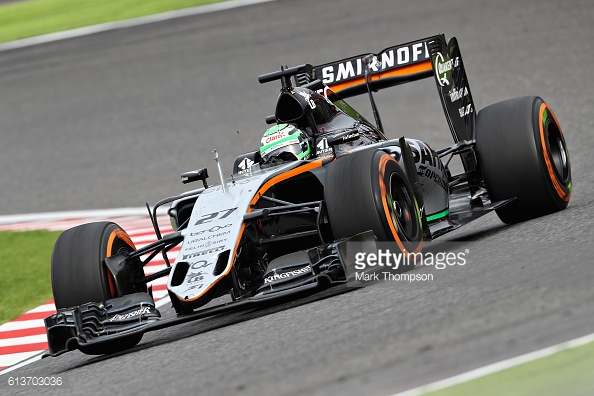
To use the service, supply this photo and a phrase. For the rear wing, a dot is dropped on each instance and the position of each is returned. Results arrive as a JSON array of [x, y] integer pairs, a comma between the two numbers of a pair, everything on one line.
[[397, 65], [408, 62]]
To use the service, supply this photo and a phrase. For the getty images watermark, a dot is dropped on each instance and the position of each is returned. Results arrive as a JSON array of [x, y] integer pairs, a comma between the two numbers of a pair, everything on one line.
[[388, 263]]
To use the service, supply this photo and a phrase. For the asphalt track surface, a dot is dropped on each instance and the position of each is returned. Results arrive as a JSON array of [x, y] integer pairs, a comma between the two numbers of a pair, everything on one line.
[[110, 120]]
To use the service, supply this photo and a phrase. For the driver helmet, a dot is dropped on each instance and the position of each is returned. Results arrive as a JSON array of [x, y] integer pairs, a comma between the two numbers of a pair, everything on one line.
[[284, 142]]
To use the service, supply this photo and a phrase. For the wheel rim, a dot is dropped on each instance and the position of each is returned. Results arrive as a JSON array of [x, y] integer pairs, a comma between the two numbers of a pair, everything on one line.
[[402, 207], [118, 243], [557, 150]]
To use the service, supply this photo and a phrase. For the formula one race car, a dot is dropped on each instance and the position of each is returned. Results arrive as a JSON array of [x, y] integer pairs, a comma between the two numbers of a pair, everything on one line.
[[323, 177]]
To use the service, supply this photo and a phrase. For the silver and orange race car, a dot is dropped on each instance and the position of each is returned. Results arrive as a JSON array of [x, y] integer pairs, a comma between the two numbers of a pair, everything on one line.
[[325, 179]]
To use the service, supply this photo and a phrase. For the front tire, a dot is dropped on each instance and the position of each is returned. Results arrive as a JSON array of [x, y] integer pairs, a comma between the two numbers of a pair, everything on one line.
[[522, 153], [369, 190], [79, 274]]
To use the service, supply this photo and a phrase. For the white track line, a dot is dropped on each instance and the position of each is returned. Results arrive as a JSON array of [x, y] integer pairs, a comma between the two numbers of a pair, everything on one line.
[[104, 27], [19, 357], [498, 366]]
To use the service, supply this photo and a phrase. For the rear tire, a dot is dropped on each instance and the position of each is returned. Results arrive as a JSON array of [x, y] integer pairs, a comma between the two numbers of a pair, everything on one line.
[[522, 153], [369, 190], [79, 274]]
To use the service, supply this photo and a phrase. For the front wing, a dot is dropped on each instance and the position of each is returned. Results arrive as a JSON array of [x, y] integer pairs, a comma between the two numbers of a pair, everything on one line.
[[95, 327]]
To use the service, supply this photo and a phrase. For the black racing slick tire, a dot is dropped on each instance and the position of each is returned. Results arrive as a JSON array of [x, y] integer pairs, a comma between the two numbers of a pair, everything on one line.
[[522, 153], [369, 190], [79, 274]]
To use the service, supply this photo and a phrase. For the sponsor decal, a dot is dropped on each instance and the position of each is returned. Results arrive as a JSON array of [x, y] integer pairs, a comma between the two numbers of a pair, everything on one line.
[[322, 147], [202, 253], [201, 246], [423, 154], [195, 277], [138, 312], [457, 93], [275, 137], [428, 163], [212, 236], [350, 136], [388, 59], [244, 166], [307, 98], [284, 143], [201, 264], [284, 275], [212, 229], [206, 244], [431, 174], [465, 110], [207, 218], [374, 63], [443, 68], [218, 242]]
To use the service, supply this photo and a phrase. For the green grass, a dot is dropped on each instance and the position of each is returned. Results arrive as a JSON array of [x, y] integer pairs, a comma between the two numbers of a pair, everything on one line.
[[24, 271], [35, 17], [567, 373]]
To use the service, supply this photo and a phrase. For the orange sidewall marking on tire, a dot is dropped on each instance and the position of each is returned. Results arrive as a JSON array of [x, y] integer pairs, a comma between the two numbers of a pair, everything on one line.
[[124, 237], [562, 194], [118, 232], [382, 166]]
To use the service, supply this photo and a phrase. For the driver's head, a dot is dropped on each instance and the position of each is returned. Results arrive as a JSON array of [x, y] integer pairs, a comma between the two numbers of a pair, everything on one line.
[[284, 142]]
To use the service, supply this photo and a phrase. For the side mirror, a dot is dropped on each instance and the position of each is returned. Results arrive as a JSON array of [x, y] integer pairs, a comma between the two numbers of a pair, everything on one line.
[[192, 176], [348, 135]]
